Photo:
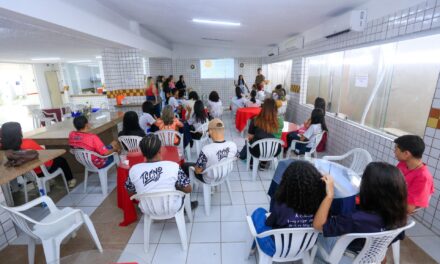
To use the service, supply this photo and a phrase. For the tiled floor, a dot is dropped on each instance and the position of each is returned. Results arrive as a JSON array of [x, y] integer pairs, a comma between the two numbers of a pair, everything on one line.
[[220, 237]]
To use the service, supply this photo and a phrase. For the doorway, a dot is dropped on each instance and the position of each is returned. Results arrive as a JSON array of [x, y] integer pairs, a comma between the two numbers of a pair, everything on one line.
[[54, 89]]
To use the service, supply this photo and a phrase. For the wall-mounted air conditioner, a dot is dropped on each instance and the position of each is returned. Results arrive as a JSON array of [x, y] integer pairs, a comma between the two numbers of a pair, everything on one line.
[[272, 51], [296, 42], [355, 20]]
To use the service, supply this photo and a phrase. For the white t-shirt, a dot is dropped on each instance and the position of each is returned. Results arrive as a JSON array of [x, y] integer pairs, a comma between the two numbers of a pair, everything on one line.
[[252, 104], [145, 121], [189, 103], [261, 95], [212, 153], [192, 122], [311, 133], [173, 102], [160, 176], [215, 108], [238, 103]]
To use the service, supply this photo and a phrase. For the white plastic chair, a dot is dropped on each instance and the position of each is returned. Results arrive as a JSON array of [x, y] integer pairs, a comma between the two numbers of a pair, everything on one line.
[[164, 205], [39, 116], [42, 181], [85, 158], [199, 143], [214, 175], [52, 229], [268, 148], [130, 142], [291, 244], [167, 139], [359, 162], [312, 151], [374, 250]]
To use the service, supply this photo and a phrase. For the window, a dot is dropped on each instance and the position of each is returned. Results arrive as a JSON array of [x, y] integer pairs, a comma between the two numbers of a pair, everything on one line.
[[217, 69], [387, 87]]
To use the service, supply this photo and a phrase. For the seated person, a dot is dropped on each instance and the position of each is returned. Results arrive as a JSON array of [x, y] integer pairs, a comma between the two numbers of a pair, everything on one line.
[[83, 139], [173, 101], [238, 101], [279, 93], [253, 101], [213, 153], [130, 125], [197, 119], [265, 125], [215, 106], [147, 119], [409, 151], [192, 98], [157, 175], [383, 207], [168, 121], [320, 104], [296, 201], [12, 139], [317, 126], [261, 95]]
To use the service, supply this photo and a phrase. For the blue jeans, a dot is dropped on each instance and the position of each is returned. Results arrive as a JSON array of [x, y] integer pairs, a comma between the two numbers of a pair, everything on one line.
[[109, 159]]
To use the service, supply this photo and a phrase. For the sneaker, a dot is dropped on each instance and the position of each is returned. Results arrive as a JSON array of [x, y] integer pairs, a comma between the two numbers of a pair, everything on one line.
[[72, 183], [261, 167], [194, 205]]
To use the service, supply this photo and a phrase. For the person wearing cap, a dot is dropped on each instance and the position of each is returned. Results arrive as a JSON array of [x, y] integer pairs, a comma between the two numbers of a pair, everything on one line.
[[157, 175], [213, 153]]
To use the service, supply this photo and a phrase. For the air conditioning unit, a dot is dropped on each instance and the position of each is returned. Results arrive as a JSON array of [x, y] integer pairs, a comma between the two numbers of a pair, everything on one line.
[[355, 20], [296, 42], [273, 51]]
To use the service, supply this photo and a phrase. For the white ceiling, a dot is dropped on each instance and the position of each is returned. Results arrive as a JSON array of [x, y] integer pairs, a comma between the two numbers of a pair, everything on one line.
[[264, 22], [21, 40]]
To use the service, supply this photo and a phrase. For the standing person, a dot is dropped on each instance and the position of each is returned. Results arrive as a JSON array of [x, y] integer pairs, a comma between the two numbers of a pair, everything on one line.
[[167, 89], [181, 85], [213, 153], [147, 118], [409, 151], [215, 105], [153, 94], [260, 80], [12, 139], [157, 175], [242, 84], [382, 206], [159, 86], [171, 84], [83, 139]]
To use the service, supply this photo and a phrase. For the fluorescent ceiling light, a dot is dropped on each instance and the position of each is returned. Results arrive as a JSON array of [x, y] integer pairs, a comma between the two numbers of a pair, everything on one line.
[[98, 57], [45, 59], [79, 61], [215, 22]]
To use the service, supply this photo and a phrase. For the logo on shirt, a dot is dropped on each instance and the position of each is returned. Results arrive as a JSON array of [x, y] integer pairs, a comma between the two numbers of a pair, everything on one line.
[[152, 175], [223, 153]]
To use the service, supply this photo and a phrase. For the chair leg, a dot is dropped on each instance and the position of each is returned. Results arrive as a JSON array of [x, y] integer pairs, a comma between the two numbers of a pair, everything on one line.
[[65, 182], [187, 205], [306, 258], [207, 198], [51, 251], [103, 180], [92, 231], [228, 185], [396, 251], [26, 197], [263, 258], [86, 174], [255, 168], [147, 226], [180, 221], [31, 250], [188, 152]]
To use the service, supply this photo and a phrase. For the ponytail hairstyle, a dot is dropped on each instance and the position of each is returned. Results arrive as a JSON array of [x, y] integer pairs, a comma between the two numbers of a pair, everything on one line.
[[199, 112], [150, 146], [318, 118], [238, 92], [253, 95]]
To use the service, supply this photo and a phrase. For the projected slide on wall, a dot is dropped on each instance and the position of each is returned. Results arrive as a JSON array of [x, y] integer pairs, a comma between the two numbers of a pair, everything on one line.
[[217, 69]]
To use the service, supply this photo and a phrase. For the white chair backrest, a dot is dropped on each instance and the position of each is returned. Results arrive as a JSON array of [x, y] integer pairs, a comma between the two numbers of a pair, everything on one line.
[[317, 140], [160, 205], [131, 143], [38, 113], [85, 158], [204, 130], [167, 137], [375, 247], [217, 173], [361, 158], [20, 220], [268, 147]]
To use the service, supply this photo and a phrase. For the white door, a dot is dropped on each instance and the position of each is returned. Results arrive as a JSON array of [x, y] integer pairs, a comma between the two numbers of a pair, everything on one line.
[[54, 89]]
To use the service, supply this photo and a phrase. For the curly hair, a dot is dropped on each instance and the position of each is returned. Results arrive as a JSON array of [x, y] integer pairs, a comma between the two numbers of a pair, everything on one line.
[[301, 188], [214, 97]]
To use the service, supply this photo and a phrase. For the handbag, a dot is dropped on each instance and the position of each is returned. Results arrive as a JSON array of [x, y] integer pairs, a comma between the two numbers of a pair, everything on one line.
[[19, 157]]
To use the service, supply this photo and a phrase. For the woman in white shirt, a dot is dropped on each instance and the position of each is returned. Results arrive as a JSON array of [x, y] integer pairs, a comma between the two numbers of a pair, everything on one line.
[[189, 104], [147, 119], [215, 105], [242, 84], [238, 101], [197, 119], [253, 101], [317, 126]]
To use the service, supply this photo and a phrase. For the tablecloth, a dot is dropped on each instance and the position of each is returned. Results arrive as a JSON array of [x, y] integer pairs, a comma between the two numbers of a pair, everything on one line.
[[130, 215], [287, 128], [243, 115]]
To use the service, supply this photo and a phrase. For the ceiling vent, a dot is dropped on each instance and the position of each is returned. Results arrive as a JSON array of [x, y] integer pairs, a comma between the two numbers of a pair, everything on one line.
[[273, 51], [355, 20], [296, 42]]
